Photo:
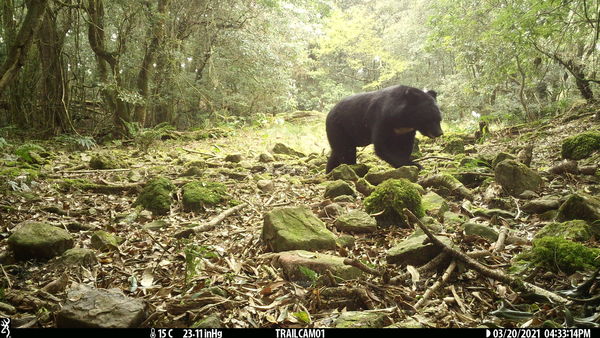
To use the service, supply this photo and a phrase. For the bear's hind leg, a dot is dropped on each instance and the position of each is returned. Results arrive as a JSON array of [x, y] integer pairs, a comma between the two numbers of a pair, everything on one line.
[[337, 157]]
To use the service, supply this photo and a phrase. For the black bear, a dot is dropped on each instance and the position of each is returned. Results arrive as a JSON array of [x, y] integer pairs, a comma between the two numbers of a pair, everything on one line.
[[388, 118]]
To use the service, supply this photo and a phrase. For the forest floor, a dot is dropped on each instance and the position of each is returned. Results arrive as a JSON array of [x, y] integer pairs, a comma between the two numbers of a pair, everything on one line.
[[228, 276]]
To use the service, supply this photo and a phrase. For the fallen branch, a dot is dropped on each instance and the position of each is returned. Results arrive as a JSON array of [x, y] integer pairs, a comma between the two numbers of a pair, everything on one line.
[[93, 171], [437, 284], [432, 158], [210, 225], [515, 283]]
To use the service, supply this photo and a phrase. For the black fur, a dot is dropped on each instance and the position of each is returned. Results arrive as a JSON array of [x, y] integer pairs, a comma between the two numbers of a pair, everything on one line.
[[373, 117]]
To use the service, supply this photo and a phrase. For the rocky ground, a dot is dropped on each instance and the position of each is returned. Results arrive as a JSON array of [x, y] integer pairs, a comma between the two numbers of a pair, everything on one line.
[[242, 229]]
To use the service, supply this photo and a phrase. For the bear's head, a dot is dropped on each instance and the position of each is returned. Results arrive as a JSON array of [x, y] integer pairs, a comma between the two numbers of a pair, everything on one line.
[[423, 112]]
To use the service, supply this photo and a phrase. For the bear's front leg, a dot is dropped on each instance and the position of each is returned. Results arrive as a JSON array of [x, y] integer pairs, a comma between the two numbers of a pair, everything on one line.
[[395, 149]]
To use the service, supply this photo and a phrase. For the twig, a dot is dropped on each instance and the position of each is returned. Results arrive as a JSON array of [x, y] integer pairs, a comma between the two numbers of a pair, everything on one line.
[[433, 264], [499, 245], [6, 276], [198, 152], [437, 284], [515, 283], [359, 265], [210, 225], [518, 209]]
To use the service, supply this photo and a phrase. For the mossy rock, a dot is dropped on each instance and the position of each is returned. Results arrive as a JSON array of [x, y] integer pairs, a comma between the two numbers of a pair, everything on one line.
[[559, 254], [356, 221], [581, 146], [360, 169], [580, 206], [481, 230], [343, 172], [575, 230], [105, 241], [454, 145], [376, 176], [415, 250], [78, 257], [434, 204], [501, 157], [364, 187], [39, 240], [359, 319], [338, 188], [295, 263], [296, 228], [283, 149], [516, 177], [390, 198], [105, 161], [198, 195], [156, 196]]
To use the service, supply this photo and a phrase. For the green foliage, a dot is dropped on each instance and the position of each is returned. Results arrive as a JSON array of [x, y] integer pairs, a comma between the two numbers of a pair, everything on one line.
[[29, 152], [194, 254], [77, 141], [3, 143], [310, 274]]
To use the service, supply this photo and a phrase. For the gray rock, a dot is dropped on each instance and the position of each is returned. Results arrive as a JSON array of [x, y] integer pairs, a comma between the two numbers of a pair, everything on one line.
[[39, 240], [265, 185], [481, 230], [87, 307], [541, 205], [234, 158], [265, 158]]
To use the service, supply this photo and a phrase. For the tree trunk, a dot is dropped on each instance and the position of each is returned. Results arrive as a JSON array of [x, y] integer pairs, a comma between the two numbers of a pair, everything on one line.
[[96, 37], [54, 91], [157, 36], [17, 52]]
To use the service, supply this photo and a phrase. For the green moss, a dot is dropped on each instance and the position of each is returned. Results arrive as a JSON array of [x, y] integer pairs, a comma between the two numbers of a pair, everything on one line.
[[67, 184], [557, 253], [576, 230], [156, 196], [15, 172], [390, 197], [581, 146], [197, 195]]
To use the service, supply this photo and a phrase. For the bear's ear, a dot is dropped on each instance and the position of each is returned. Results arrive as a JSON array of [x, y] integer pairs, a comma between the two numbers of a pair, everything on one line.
[[432, 93]]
